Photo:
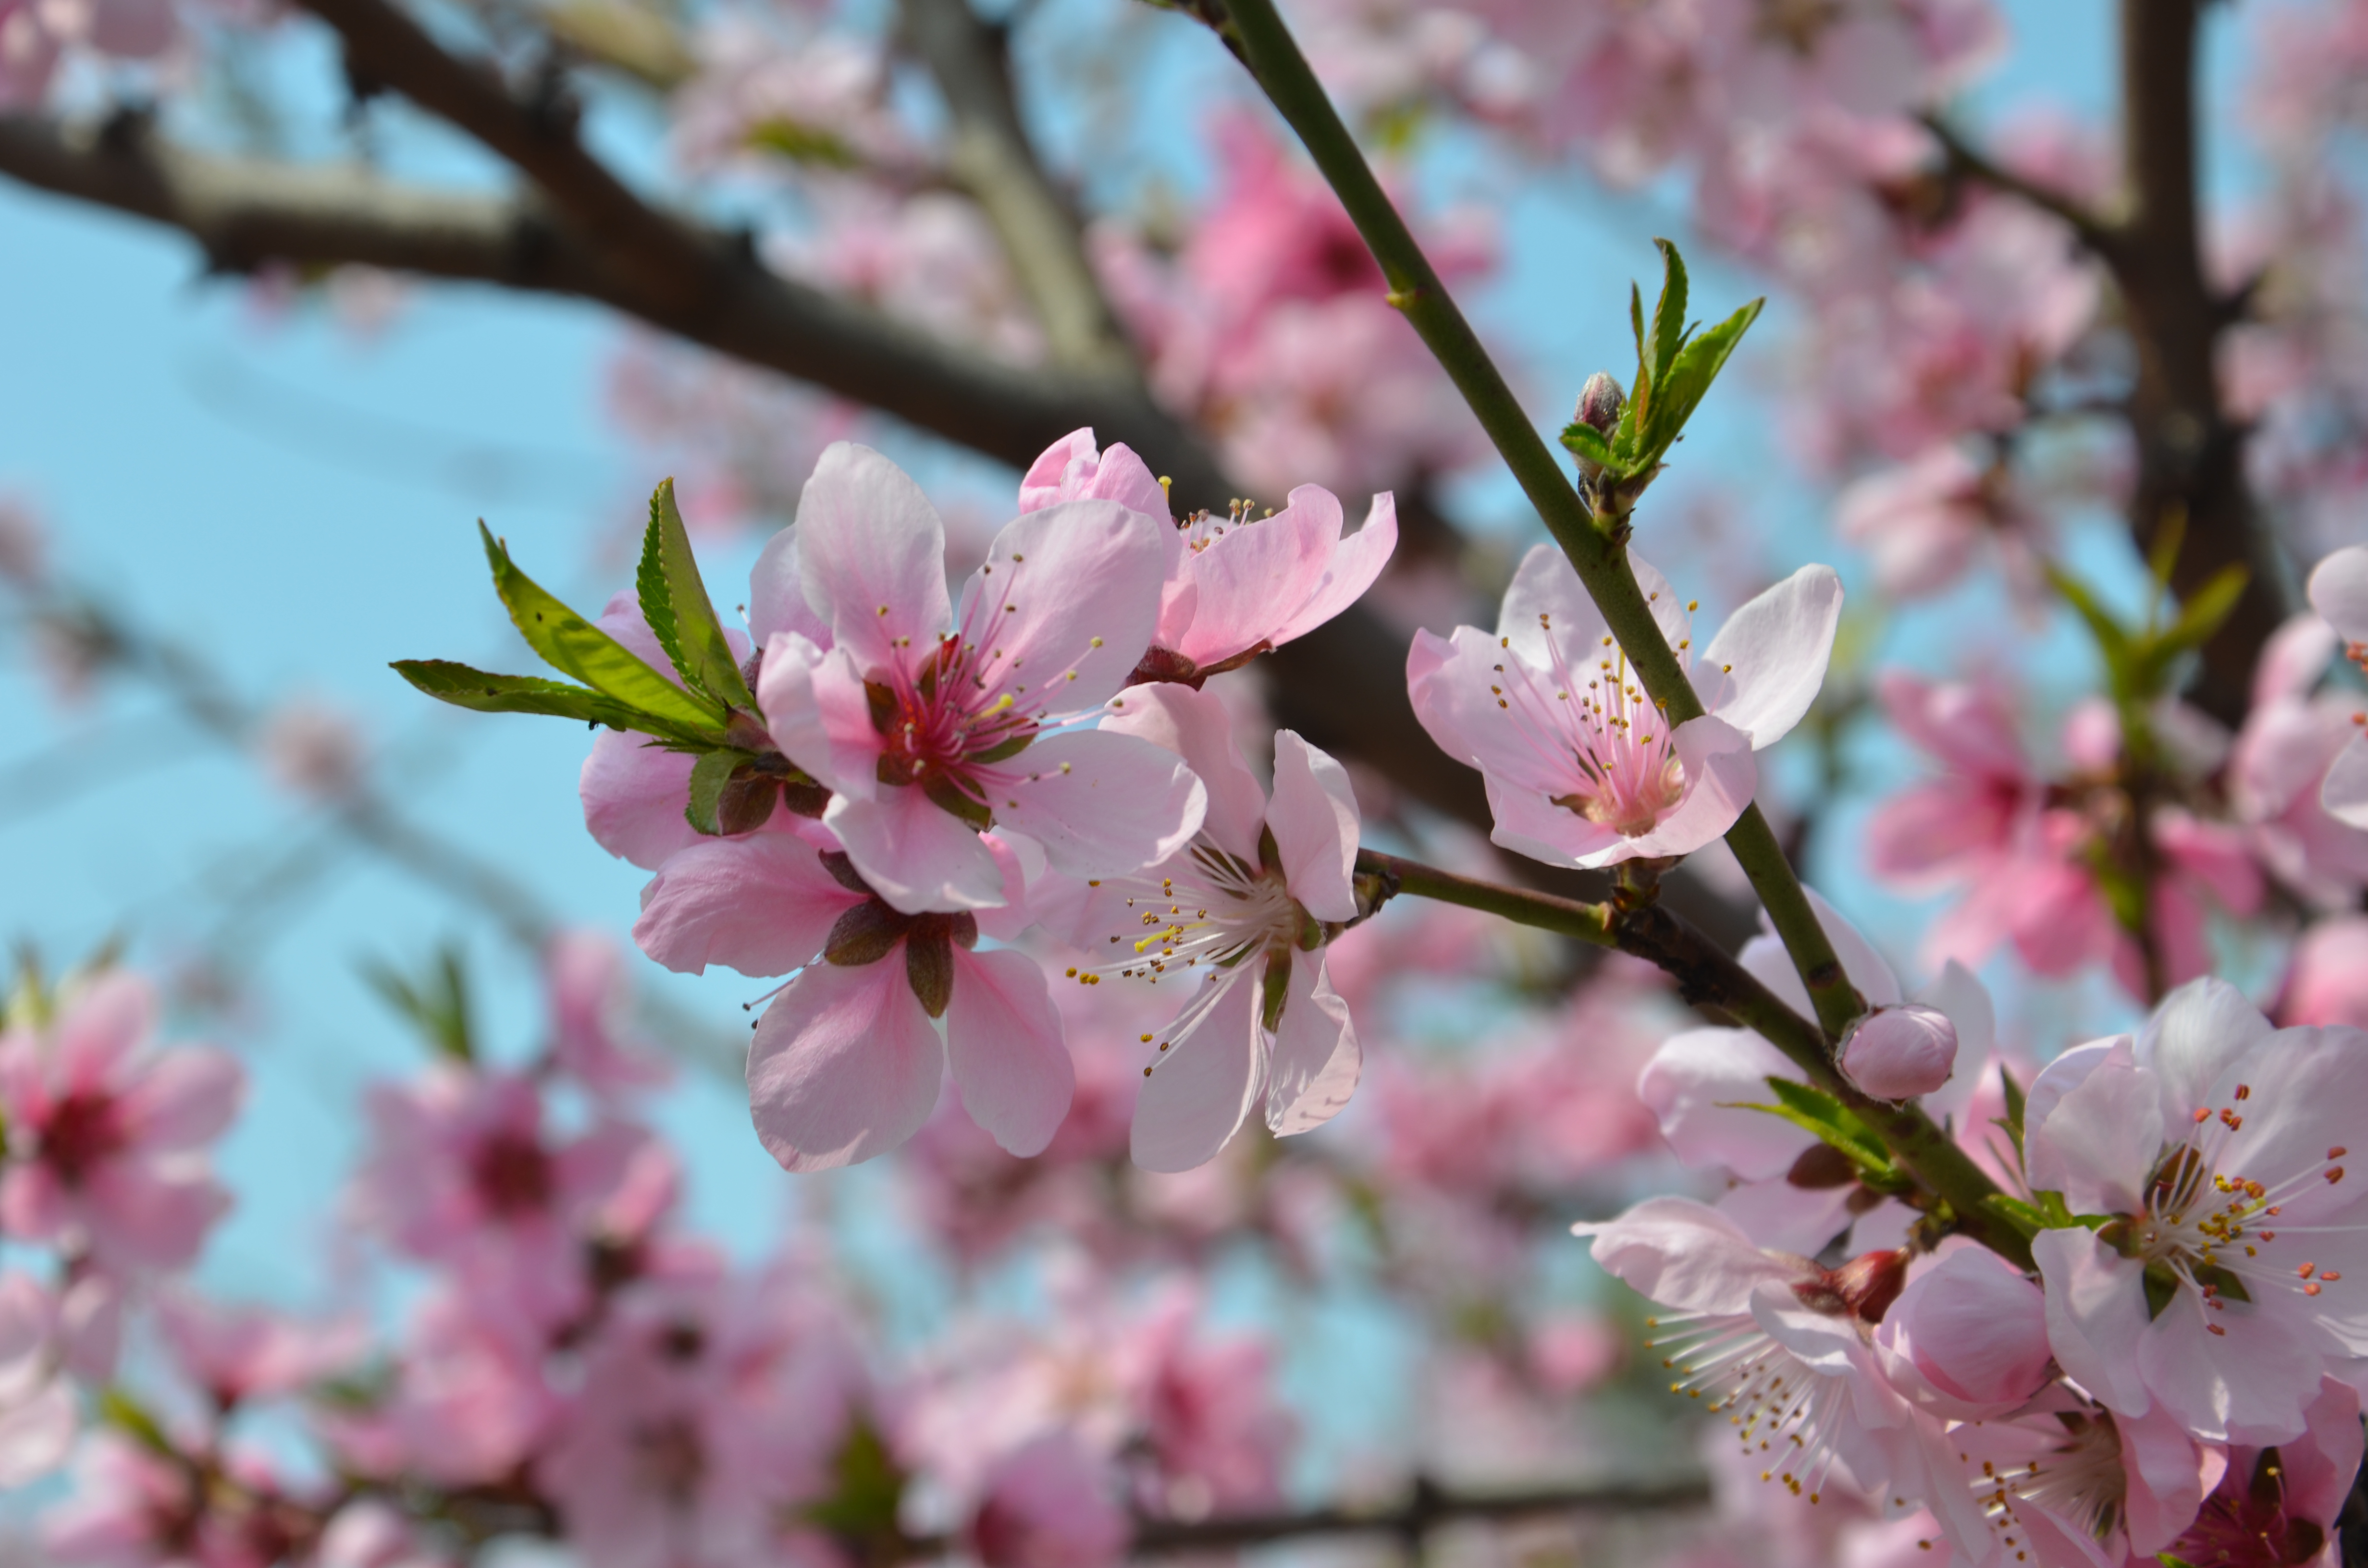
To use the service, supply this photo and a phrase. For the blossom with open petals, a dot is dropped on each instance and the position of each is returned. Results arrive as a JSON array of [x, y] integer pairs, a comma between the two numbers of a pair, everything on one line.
[[1238, 917], [2339, 591], [1238, 586], [932, 721], [1582, 769]]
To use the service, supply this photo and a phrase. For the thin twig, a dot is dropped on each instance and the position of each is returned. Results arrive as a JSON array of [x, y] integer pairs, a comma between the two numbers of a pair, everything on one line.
[[2098, 233]]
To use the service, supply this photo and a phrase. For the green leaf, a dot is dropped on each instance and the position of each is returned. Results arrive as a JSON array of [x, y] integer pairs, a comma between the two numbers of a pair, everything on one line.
[[1590, 446], [2017, 1213], [488, 693], [708, 775], [120, 1410], [675, 603], [805, 143], [2112, 638], [1816, 1111], [1689, 380], [575, 646], [1668, 313], [2206, 610], [868, 1489], [436, 1005], [2161, 1289], [2224, 1284], [2014, 1104]]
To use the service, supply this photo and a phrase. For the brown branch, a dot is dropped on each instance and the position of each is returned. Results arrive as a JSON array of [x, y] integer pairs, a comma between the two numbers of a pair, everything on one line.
[[990, 154], [1967, 161], [1426, 1509]]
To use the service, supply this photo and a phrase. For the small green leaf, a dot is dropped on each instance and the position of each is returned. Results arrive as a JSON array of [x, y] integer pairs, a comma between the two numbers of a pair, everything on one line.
[[2112, 638], [1816, 1111], [674, 602], [2014, 1104], [1689, 380], [575, 646], [867, 1489], [805, 143], [1590, 446], [120, 1410], [436, 1005], [2016, 1213], [2206, 610], [2224, 1284], [488, 693], [1274, 989], [708, 775], [1668, 313]]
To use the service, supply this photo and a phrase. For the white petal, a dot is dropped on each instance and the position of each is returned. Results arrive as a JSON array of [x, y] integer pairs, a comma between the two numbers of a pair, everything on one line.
[[1764, 669], [1314, 816]]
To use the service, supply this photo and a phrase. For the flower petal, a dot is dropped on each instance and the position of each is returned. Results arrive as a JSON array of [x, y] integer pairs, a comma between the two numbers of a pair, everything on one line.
[[1448, 680], [2200, 1031], [2099, 1143], [1702, 1083], [1064, 604], [1764, 669], [2344, 794], [1356, 565], [762, 904], [1720, 779], [872, 555], [777, 594], [2096, 1312], [1315, 819], [915, 853], [1683, 1255], [1256, 576], [183, 1098], [1200, 1089], [844, 1065], [818, 714], [1101, 805], [633, 796], [1195, 726], [1546, 609], [1004, 1042], [2339, 591], [1316, 1058]]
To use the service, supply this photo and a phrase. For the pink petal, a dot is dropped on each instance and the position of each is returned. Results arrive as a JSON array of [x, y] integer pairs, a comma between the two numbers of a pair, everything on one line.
[[2248, 1383], [1900, 1053], [2339, 591], [1448, 679], [187, 1096], [2099, 1143], [1314, 816], [1762, 671], [2196, 1036], [1698, 1083], [1069, 470], [36, 1435], [635, 794], [1546, 610], [1064, 604], [100, 1029], [1258, 576], [1316, 1060], [2344, 795], [2162, 1469], [873, 556], [819, 715], [2293, 660], [2096, 1312], [1004, 1040], [915, 854], [1969, 1338], [844, 1065], [1356, 565], [761, 904], [1195, 726], [777, 594], [1970, 728], [1667, 606], [1200, 1089], [1101, 805], [1683, 1255], [142, 1220], [1720, 779]]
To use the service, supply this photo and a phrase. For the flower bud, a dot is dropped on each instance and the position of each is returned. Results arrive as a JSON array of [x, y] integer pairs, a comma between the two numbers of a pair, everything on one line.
[[1600, 403], [1897, 1053], [1967, 1338]]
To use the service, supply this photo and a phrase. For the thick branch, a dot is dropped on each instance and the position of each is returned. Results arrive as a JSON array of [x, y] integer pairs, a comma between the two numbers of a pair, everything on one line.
[[990, 153], [1410, 1521], [2098, 233]]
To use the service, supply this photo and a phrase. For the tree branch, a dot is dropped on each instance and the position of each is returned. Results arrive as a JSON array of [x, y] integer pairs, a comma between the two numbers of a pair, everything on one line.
[[2097, 233], [1425, 1510], [991, 155]]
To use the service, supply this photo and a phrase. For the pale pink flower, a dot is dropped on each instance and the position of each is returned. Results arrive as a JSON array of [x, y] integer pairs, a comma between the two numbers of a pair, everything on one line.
[[1897, 1053], [233, 1354], [2278, 1508], [2289, 743], [1236, 586], [845, 1063], [127, 1508], [471, 1400], [372, 1533], [1922, 520], [1781, 1344], [1967, 1339], [2339, 591], [1238, 918], [2071, 1484], [1209, 1423], [590, 1000], [1050, 1504], [1581, 768], [2327, 980], [2217, 1144], [30, 51], [38, 1414], [110, 1139], [928, 725], [462, 1171]]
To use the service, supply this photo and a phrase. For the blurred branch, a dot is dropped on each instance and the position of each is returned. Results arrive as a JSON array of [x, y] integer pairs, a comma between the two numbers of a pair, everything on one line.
[[1427, 1508], [2097, 233], [991, 155]]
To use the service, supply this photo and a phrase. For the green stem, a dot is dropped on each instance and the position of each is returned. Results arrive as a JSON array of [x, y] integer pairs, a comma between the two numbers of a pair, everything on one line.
[[1709, 978], [1597, 547]]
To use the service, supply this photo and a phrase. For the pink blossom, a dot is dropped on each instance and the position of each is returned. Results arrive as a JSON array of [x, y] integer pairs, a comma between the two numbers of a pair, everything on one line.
[[1922, 520], [2217, 1144], [470, 1401], [1236, 586], [2277, 1507], [845, 1063], [2289, 742], [1250, 901], [2339, 591], [1782, 1343], [462, 1171], [2072, 1485], [1967, 1339], [1897, 1053], [2327, 981], [1049, 1504], [929, 726], [590, 999], [233, 1354], [1581, 769], [110, 1138], [369, 1533], [127, 1508], [29, 53], [37, 1417]]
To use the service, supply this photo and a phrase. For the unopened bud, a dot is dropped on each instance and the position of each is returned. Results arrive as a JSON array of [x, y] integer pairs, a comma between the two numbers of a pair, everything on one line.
[[1897, 1053], [1600, 403]]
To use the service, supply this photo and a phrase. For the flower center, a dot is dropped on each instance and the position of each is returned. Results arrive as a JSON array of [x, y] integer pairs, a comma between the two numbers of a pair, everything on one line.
[[512, 1175], [2080, 1480], [1204, 527], [83, 1133], [1777, 1404], [1208, 908], [1599, 733]]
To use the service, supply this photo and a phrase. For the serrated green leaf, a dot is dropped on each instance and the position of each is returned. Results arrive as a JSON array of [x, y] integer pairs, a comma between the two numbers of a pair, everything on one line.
[[1689, 380], [1587, 443], [575, 646], [1668, 313], [487, 693], [674, 602], [1815, 1111], [708, 775]]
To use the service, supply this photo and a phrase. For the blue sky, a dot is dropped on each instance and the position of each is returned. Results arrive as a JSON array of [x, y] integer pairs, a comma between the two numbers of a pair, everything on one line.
[[298, 504]]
